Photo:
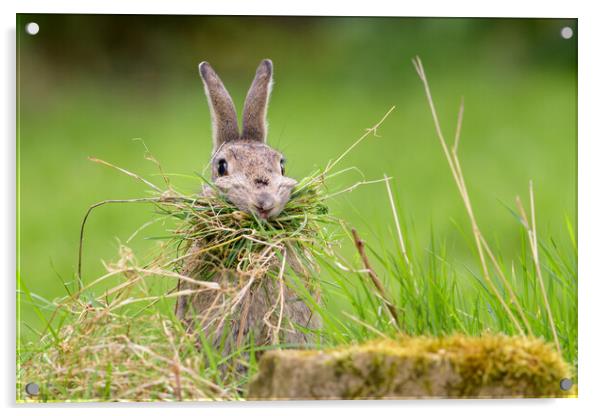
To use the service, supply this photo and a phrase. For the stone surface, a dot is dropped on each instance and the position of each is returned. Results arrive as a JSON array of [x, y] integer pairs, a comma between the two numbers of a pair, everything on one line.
[[421, 367]]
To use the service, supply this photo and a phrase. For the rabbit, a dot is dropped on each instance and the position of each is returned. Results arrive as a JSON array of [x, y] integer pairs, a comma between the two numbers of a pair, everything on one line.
[[251, 175]]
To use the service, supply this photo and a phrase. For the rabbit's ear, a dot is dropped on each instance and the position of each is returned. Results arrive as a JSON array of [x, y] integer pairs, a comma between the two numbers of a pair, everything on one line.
[[254, 124], [223, 113]]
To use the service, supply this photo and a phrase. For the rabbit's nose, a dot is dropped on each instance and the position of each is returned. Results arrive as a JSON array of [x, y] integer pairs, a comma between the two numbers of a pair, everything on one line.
[[265, 202], [262, 181]]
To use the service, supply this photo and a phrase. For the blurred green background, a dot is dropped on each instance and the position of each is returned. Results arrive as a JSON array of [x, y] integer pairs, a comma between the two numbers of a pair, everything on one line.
[[90, 84]]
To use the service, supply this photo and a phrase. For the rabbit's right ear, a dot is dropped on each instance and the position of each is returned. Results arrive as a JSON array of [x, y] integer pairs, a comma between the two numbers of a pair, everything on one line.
[[223, 113]]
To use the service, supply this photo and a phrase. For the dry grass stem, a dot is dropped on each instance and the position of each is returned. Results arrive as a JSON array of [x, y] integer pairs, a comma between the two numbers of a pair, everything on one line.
[[359, 244], [454, 164], [371, 130], [402, 245], [507, 285], [532, 237], [275, 330]]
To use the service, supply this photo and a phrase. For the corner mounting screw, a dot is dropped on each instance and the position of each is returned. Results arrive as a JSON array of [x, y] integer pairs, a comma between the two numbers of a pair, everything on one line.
[[32, 28], [32, 389], [566, 384]]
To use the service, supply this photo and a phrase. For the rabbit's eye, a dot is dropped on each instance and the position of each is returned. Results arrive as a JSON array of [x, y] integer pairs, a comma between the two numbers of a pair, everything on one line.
[[282, 166], [222, 167]]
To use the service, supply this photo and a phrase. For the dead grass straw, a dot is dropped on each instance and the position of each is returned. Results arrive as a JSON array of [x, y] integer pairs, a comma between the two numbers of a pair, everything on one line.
[[380, 288], [532, 237], [451, 154]]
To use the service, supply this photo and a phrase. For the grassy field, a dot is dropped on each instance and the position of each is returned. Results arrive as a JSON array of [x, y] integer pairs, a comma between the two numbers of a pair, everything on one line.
[[502, 150], [519, 125]]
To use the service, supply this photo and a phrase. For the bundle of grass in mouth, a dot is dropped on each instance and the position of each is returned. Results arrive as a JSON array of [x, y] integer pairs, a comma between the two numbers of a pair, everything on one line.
[[218, 235]]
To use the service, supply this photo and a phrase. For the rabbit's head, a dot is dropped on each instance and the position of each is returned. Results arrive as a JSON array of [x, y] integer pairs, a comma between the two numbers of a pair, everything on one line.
[[248, 171]]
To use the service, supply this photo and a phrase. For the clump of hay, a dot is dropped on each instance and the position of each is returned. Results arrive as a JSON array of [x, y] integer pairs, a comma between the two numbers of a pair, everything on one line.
[[109, 356], [227, 238]]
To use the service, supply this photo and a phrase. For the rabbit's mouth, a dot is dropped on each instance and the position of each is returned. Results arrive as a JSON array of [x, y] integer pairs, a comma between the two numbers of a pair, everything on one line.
[[264, 213]]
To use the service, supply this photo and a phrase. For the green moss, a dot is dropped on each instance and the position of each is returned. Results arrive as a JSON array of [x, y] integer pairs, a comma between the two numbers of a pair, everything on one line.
[[454, 366], [521, 365]]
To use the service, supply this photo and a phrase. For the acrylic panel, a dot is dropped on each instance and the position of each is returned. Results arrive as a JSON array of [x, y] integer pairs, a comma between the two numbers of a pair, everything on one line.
[[295, 208]]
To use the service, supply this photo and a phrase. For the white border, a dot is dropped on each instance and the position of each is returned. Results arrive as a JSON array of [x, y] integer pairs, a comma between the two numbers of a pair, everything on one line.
[[590, 135], [508, 8]]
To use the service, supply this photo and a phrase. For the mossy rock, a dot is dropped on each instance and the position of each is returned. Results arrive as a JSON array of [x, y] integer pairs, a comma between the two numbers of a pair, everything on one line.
[[491, 366]]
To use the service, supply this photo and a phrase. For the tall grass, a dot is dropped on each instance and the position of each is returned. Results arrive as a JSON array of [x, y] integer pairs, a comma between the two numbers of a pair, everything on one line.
[[531, 295]]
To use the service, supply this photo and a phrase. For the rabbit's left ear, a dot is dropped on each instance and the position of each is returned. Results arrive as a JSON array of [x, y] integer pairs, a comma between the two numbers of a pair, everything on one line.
[[254, 122]]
